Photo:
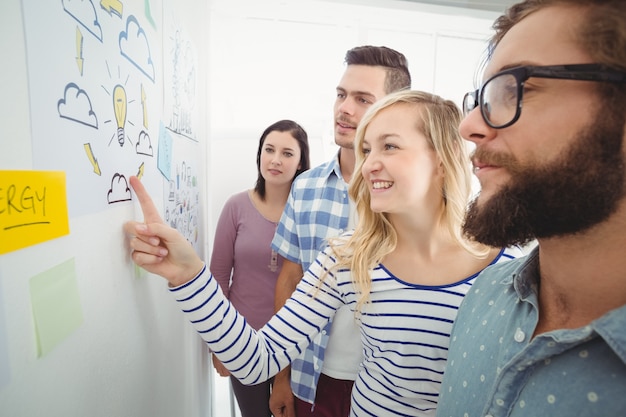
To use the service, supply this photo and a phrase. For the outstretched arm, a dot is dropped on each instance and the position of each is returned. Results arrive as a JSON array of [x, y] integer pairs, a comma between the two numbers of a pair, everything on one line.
[[157, 247], [251, 356]]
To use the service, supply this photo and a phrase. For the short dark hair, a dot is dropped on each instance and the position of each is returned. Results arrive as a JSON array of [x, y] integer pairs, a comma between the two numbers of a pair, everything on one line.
[[299, 134], [395, 64]]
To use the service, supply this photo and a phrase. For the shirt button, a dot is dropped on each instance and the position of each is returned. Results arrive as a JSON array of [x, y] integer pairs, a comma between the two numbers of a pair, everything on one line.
[[323, 331], [519, 335]]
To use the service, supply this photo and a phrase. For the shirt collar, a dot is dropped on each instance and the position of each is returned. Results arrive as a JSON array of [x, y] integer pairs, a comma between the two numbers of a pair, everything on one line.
[[610, 326], [525, 277], [331, 168]]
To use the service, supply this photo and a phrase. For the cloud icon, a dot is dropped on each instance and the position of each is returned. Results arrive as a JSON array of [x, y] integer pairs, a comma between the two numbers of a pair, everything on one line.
[[144, 145], [85, 13], [134, 47], [76, 105], [119, 190]]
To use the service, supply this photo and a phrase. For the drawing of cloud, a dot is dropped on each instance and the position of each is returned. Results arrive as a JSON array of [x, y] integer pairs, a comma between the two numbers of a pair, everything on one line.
[[76, 105], [144, 146], [134, 47], [85, 13], [119, 190]]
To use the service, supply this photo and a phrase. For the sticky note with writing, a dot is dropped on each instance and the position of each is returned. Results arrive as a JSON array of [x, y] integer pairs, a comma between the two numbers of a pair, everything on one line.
[[33, 208]]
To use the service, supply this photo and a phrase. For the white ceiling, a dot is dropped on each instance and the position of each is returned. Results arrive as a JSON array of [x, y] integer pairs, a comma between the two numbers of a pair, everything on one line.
[[491, 5]]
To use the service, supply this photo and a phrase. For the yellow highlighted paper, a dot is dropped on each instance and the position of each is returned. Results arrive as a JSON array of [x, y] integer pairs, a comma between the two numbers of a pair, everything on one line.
[[33, 208], [56, 305]]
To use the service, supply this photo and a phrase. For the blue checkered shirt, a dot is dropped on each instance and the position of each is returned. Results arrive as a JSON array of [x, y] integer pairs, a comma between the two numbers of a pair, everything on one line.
[[317, 208]]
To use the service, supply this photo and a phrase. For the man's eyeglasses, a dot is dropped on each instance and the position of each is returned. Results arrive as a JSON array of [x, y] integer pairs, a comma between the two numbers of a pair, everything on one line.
[[500, 97]]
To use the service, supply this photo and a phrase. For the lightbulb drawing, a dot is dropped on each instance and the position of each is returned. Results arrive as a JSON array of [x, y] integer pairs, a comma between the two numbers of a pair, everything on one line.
[[119, 108]]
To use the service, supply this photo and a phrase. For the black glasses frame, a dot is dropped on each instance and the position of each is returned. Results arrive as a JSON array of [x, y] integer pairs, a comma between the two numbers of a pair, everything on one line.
[[580, 72]]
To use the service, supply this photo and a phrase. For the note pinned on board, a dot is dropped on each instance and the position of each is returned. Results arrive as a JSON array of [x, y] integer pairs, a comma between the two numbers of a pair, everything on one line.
[[33, 208], [56, 305]]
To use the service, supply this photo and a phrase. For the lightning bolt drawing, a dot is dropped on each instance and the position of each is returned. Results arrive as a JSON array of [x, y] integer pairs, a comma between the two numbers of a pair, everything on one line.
[[92, 159], [140, 172], [145, 108], [112, 7], [79, 50]]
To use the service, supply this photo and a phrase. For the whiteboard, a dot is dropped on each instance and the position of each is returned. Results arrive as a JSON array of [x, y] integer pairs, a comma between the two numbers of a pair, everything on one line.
[[82, 330]]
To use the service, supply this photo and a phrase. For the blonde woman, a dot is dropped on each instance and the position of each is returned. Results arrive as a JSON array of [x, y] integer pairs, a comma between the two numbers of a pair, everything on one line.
[[404, 271]]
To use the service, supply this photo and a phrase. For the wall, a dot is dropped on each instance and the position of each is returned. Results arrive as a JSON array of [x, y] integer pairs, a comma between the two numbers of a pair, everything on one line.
[[131, 352]]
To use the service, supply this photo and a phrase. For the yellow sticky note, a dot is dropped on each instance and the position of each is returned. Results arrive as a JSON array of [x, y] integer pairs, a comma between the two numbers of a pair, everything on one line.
[[56, 305], [33, 208]]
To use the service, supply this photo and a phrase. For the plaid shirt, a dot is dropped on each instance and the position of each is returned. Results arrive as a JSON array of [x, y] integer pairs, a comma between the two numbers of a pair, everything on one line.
[[317, 208]]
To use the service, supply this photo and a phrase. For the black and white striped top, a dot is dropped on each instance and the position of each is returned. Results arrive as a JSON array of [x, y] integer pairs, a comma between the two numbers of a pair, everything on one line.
[[405, 330]]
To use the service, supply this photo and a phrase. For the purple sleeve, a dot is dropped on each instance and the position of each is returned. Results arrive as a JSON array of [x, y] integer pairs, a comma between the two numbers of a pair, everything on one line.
[[223, 256]]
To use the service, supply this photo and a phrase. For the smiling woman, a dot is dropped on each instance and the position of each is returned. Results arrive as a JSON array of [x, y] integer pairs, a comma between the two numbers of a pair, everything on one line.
[[401, 165]]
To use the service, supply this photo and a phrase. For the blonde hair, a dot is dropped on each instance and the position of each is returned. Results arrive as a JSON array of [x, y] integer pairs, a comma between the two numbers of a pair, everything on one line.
[[374, 236]]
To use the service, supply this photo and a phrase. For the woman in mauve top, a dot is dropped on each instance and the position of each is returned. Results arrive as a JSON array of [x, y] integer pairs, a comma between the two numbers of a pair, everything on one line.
[[243, 262]]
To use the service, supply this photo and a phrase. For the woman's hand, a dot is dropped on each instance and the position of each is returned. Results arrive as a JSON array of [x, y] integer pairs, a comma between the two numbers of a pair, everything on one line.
[[219, 367], [157, 247]]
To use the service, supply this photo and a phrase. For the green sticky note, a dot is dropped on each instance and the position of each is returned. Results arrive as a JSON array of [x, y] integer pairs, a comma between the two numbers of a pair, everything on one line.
[[140, 272], [56, 305]]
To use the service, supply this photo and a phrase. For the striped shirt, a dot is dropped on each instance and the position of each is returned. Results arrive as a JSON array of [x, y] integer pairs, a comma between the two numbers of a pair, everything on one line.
[[317, 208], [405, 330]]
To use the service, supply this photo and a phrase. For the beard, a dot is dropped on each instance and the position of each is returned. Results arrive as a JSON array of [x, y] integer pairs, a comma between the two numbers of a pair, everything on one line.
[[580, 189]]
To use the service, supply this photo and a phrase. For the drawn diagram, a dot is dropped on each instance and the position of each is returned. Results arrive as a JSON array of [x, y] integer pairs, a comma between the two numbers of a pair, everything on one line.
[[182, 203], [85, 14], [134, 47], [180, 79], [97, 97], [119, 108], [76, 106], [94, 60]]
